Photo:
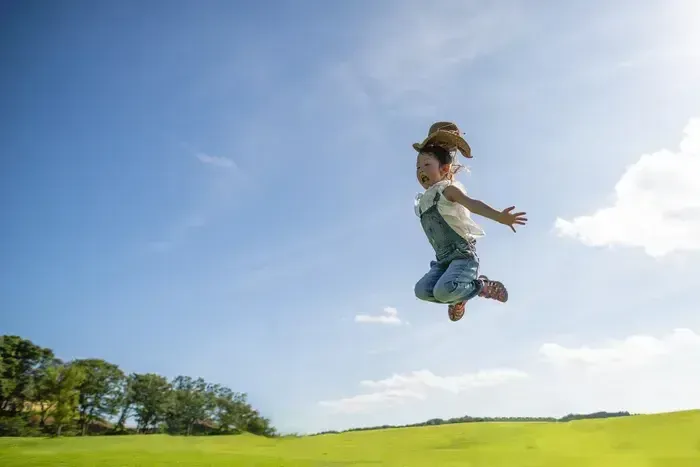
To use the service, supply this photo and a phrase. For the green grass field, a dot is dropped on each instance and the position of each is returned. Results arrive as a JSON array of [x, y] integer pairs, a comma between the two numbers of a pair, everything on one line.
[[650, 440]]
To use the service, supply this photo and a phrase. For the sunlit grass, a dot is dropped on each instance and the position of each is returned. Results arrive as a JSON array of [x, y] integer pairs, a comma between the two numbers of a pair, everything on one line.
[[650, 440]]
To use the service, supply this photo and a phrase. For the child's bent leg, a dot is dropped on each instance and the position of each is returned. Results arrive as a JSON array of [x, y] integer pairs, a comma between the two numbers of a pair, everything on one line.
[[459, 283], [424, 287]]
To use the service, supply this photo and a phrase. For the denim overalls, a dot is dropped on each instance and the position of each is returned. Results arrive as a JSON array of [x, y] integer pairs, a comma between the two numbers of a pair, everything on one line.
[[453, 275]]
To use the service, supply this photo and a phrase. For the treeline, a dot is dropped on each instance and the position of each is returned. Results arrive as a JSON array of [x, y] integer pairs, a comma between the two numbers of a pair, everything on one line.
[[41, 394], [575, 416], [468, 419]]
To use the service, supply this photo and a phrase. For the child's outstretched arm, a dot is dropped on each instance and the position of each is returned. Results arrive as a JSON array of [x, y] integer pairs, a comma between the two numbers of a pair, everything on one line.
[[505, 217]]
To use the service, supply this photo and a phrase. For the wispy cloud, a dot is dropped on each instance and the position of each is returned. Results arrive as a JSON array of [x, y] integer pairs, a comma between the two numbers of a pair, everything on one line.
[[412, 61], [656, 207], [211, 195], [179, 232], [454, 384], [365, 402], [640, 373], [416, 50], [401, 388], [217, 161], [390, 316], [634, 351]]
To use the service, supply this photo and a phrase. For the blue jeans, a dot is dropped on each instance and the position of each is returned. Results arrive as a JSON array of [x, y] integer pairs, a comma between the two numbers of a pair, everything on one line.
[[450, 283]]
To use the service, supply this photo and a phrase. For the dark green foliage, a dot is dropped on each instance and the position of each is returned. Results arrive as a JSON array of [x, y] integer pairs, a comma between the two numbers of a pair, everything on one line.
[[124, 402], [191, 401], [151, 397], [39, 393], [21, 362], [100, 390], [571, 417], [64, 383], [17, 425], [468, 419]]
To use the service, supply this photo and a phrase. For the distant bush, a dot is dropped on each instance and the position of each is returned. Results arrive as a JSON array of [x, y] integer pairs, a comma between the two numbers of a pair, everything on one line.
[[572, 417], [17, 426], [468, 419]]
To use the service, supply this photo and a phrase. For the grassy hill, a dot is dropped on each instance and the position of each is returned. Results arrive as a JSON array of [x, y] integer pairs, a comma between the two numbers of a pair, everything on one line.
[[661, 440]]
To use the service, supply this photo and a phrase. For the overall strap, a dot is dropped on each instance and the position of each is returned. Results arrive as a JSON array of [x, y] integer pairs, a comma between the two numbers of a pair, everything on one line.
[[436, 199]]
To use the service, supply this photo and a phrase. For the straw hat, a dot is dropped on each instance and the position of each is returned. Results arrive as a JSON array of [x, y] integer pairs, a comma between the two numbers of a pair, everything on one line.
[[445, 134]]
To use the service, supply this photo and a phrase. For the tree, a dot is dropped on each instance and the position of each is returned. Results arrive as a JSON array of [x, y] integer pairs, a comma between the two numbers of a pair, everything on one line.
[[230, 409], [34, 382], [192, 401], [125, 401], [151, 398], [259, 425], [99, 391], [22, 360], [45, 389], [234, 413], [62, 383]]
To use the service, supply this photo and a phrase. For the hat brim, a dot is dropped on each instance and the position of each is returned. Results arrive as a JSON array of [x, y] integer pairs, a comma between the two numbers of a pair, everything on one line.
[[447, 138]]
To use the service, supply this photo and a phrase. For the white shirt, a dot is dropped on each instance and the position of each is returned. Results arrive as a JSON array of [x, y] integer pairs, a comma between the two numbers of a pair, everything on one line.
[[457, 216]]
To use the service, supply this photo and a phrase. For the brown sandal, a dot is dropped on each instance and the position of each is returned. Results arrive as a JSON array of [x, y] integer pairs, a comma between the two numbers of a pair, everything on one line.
[[494, 290], [456, 311]]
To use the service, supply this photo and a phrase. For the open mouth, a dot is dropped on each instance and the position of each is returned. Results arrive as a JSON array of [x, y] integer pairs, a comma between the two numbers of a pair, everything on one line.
[[424, 179]]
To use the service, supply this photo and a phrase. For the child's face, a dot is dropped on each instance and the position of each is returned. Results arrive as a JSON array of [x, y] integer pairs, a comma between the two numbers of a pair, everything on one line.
[[429, 171]]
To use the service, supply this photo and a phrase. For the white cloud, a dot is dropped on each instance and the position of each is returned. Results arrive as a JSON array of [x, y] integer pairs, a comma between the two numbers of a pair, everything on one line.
[[390, 316], [642, 374], [400, 389], [363, 402], [639, 373], [453, 384], [632, 352], [217, 161], [656, 206]]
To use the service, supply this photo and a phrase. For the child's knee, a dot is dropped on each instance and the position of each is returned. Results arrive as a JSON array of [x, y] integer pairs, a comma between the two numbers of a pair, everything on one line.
[[445, 291], [423, 291], [452, 291]]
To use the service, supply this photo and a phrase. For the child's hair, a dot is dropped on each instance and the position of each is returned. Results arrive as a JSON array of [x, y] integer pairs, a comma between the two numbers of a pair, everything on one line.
[[444, 156]]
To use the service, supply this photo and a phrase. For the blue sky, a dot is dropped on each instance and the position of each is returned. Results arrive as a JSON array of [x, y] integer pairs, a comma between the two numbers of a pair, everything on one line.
[[219, 190]]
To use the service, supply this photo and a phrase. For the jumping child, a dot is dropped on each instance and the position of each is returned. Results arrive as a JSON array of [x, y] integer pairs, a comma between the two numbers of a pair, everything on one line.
[[444, 210]]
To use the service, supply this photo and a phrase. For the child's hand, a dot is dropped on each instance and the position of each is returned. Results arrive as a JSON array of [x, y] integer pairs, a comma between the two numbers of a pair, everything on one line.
[[509, 219]]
